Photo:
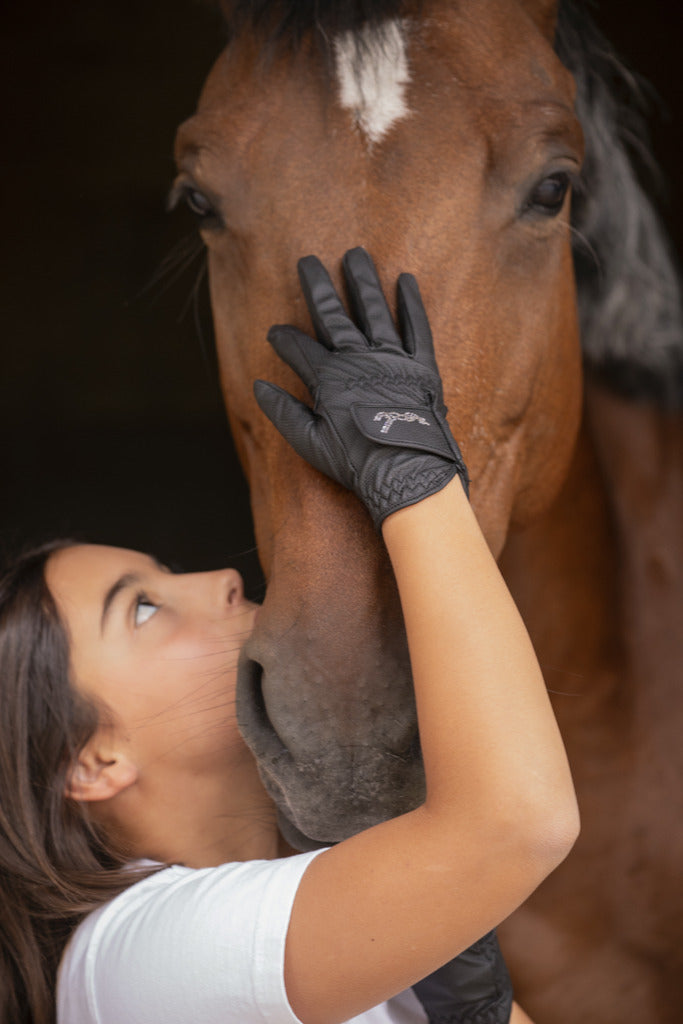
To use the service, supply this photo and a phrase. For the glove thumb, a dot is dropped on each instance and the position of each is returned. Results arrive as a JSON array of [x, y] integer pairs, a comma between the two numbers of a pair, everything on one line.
[[295, 421]]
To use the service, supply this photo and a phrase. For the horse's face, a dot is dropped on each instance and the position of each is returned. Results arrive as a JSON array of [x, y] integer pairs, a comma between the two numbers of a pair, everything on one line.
[[459, 185]]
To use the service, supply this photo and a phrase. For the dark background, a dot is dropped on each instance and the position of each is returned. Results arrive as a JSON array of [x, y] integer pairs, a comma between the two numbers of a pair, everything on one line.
[[111, 425]]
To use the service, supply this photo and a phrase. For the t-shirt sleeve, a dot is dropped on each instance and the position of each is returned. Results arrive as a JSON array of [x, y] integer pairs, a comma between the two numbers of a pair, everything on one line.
[[186, 945]]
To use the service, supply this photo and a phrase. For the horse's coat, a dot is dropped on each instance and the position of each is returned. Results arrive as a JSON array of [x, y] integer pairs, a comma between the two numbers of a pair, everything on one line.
[[372, 72], [468, 192]]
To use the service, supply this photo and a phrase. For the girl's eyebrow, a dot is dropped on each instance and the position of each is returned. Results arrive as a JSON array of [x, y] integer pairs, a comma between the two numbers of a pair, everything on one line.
[[127, 580]]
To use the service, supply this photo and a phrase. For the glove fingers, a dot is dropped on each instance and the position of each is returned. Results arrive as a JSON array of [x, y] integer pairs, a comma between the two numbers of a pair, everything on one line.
[[295, 421], [331, 322], [413, 321], [368, 304], [303, 354]]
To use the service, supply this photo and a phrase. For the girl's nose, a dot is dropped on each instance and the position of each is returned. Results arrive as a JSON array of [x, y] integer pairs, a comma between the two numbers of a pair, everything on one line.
[[234, 587]]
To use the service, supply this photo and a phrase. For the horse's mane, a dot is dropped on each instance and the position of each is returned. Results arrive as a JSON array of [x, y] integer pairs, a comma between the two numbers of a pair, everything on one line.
[[286, 22], [628, 289]]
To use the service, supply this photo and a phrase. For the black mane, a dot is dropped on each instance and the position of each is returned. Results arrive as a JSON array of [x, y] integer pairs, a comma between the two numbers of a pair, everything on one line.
[[628, 288], [286, 22]]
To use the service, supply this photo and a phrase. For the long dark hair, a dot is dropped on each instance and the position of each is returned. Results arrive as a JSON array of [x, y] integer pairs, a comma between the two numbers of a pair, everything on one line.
[[55, 864]]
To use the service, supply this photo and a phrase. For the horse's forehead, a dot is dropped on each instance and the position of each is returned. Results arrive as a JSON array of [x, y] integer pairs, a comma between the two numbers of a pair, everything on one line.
[[381, 75]]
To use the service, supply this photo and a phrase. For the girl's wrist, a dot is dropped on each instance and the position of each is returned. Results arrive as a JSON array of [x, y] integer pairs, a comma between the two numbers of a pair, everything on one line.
[[437, 512]]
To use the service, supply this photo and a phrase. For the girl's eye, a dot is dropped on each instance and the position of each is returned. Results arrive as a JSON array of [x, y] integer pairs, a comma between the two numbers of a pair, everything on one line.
[[548, 196], [144, 610]]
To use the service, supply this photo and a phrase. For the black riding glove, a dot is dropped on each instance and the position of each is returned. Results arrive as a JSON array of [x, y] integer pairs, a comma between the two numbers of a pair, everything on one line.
[[378, 424], [474, 988]]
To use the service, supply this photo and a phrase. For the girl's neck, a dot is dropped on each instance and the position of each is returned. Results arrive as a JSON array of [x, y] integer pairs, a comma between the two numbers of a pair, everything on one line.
[[198, 821]]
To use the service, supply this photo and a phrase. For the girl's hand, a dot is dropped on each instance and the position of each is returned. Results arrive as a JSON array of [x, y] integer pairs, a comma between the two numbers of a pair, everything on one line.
[[378, 424]]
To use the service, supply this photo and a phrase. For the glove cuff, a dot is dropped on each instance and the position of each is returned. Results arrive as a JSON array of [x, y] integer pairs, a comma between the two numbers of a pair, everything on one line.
[[407, 489]]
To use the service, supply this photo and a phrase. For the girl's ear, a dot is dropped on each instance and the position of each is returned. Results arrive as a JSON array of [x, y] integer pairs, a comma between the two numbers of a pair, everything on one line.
[[100, 773]]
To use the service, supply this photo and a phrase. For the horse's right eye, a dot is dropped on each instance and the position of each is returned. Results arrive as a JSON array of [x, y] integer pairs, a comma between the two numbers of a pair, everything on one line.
[[198, 204]]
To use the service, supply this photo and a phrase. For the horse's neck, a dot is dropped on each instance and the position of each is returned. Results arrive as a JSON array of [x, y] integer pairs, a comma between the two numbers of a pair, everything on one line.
[[599, 579]]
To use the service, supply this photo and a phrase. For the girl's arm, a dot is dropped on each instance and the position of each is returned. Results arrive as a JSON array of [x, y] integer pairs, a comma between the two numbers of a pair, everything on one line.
[[383, 909]]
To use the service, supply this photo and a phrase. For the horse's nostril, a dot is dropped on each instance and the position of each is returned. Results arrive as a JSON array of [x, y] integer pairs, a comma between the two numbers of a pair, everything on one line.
[[250, 700], [252, 714], [257, 692]]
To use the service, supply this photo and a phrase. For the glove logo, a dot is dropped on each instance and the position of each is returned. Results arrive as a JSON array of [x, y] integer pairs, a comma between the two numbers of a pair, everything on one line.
[[391, 417]]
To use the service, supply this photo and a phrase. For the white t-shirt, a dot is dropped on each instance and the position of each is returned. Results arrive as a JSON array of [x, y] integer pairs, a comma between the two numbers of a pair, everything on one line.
[[189, 946]]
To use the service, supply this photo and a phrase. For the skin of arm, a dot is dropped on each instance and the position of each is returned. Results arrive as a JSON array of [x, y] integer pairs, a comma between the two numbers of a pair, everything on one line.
[[518, 1016], [383, 909]]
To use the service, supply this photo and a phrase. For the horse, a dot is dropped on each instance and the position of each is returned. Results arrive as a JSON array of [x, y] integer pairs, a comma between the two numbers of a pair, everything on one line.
[[447, 138]]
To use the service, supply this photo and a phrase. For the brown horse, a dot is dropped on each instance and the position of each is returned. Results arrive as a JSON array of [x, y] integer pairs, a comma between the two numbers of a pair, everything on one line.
[[443, 137]]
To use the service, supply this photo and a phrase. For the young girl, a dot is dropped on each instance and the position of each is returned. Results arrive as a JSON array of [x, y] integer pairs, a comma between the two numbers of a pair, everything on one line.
[[138, 849]]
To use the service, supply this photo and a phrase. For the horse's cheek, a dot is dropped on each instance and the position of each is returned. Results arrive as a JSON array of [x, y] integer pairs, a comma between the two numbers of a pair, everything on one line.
[[554, 426]]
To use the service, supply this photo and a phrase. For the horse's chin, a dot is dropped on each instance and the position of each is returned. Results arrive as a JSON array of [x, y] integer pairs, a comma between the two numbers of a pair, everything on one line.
[[300, 840], [296, 839]]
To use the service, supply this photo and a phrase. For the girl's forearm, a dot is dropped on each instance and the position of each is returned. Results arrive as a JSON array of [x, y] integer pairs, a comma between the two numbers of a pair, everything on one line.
[[487, 730], [405, 896]]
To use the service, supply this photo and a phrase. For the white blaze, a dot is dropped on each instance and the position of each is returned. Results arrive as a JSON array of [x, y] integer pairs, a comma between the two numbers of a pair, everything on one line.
[[372, 72]]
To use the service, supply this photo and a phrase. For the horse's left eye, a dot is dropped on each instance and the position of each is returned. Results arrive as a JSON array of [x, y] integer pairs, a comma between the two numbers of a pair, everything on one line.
[[548, 196]]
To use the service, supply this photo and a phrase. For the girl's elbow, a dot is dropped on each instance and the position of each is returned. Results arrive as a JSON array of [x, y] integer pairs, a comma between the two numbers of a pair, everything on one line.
[[561, 833], [552, 830]]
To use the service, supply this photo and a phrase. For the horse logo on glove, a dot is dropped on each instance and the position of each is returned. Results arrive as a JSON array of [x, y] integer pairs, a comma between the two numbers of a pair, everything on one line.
[[391, 418]]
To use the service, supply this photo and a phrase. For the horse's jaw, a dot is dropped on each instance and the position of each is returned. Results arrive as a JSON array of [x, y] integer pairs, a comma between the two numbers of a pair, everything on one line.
[[295, 838]]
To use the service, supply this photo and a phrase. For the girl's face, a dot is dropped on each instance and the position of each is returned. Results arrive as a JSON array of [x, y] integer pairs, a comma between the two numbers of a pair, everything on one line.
[[159, 649]]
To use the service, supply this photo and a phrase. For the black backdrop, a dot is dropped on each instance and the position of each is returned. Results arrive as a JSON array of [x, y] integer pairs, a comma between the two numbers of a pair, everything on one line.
[[111, 425]]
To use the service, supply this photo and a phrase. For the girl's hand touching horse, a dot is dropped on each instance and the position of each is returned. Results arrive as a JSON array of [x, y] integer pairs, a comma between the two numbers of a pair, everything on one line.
[[378, 425]]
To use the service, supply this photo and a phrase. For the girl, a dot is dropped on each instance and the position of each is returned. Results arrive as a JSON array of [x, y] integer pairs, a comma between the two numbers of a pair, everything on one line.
[[137, 847]]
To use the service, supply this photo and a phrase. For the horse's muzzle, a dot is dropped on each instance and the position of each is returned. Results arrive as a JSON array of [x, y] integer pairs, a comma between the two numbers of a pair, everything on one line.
[[326, 787]]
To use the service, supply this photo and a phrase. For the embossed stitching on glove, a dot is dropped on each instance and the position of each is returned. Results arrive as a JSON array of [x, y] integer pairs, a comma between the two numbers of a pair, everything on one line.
[[378, 424]]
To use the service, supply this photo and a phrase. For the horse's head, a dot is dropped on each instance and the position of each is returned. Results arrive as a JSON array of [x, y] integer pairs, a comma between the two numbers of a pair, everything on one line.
[[444, 143]]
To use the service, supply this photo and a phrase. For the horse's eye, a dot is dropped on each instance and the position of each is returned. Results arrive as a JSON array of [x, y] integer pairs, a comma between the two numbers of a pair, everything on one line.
[[548, 196], [199, 204]]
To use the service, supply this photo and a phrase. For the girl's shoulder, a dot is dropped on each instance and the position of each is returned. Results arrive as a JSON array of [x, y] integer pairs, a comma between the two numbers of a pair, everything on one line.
[[182, 928], [186, 944]]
